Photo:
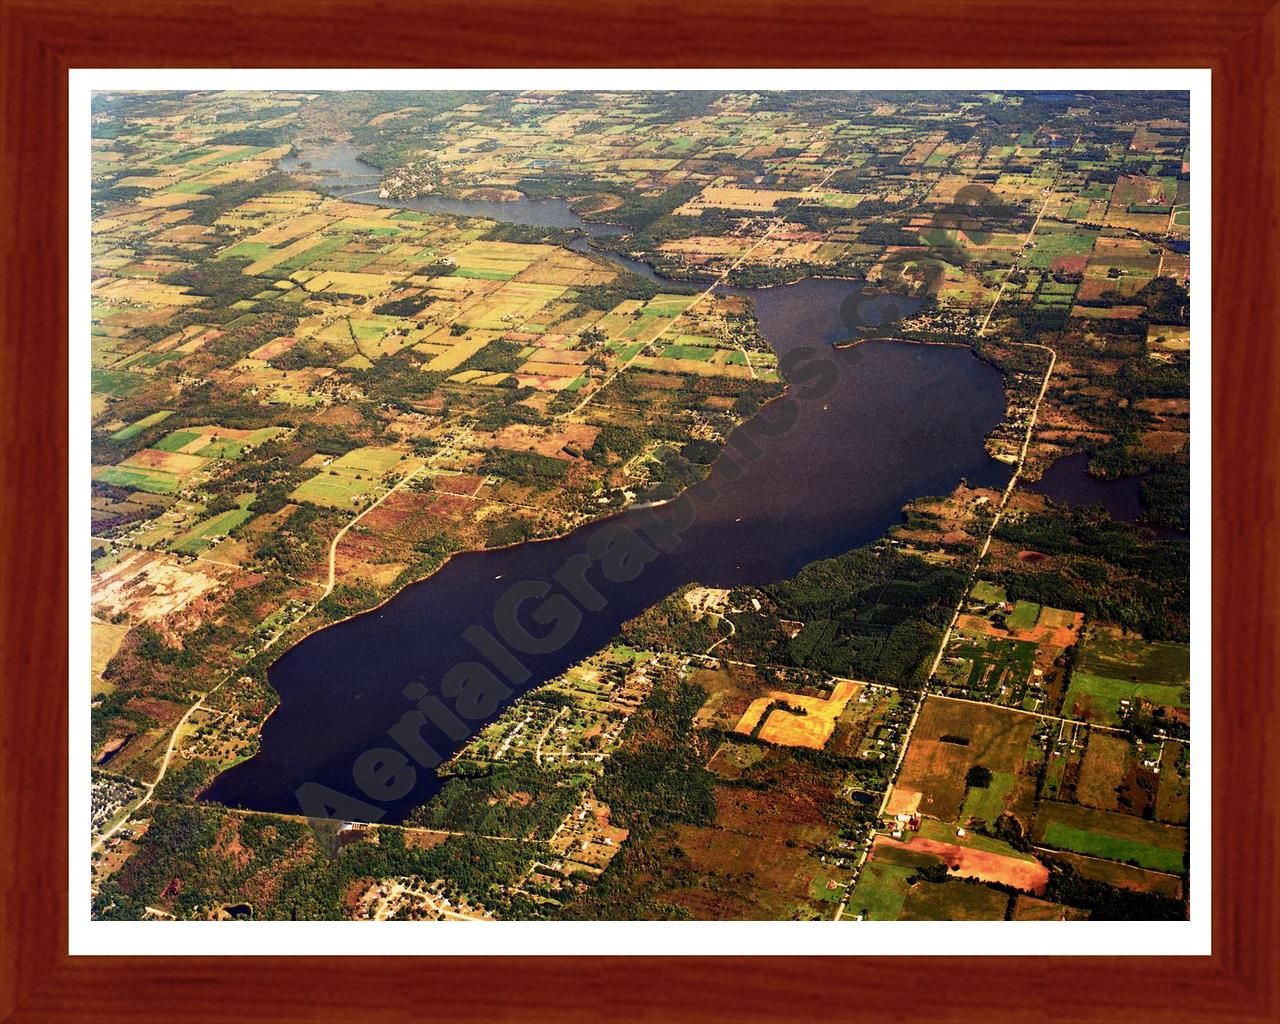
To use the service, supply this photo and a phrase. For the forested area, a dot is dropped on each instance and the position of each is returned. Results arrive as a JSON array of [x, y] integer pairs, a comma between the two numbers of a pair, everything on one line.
[[873, 613], [287, 871], [517, 799], [1112, 571]]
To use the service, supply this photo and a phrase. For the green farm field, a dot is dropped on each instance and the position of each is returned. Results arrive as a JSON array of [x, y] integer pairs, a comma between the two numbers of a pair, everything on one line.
[[202, 536], [354, 475], [702, 355], [137, 427], [1118, 837], [1112, 667], [953, 901], [1130, 657], [176, 441], [152, 480], [1098, 697], [989, 803], [1024, 615], [988, 593], [881, 890]]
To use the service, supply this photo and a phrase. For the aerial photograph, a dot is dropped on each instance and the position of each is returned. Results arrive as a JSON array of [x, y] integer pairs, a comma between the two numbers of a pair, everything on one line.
[[563, 505]]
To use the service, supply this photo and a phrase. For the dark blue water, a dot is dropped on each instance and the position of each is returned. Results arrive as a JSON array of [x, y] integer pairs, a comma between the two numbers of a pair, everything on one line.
[[1068, 481], [635, 266], [897, 421], [874, 426], [343, 173]]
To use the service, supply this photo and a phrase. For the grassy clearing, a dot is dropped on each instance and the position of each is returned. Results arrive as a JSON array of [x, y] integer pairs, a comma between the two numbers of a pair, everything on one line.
[[176, 441], [694, 352], [988, 593], [485, 275], [667, 305], [105, 639], [1024, 615], [1057, 618], [221, 447], [1055, 241], [954, 901], [1110, 653], [350, 478], [117, 383], [248, 250], [1173, 798], [625, 351], [988, 804]]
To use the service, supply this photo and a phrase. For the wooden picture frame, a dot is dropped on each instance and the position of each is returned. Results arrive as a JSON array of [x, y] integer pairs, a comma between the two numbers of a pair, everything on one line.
[[42, 39]]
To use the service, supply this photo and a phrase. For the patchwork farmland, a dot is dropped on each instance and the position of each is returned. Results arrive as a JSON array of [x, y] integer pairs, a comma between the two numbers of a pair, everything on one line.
[[338, 338]]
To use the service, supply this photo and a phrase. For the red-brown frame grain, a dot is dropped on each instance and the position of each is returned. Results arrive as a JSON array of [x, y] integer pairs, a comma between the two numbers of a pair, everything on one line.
[[41, 39]]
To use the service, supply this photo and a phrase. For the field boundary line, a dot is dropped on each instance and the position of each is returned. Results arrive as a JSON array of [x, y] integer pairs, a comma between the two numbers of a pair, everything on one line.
[[150, 788], [776, 222], [977, 564], [1052, 718]]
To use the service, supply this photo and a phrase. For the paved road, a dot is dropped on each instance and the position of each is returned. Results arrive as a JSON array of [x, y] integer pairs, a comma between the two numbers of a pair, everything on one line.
[[774, 224], [150, 789], [986, 545]]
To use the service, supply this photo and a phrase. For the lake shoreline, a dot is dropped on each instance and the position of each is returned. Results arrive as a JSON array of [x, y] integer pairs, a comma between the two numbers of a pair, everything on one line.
[[848, 465], [592, 521]]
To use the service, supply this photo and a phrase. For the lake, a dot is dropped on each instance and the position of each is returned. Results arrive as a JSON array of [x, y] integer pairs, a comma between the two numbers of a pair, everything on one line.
[[343, 173], [894, 421], [1068, 481]]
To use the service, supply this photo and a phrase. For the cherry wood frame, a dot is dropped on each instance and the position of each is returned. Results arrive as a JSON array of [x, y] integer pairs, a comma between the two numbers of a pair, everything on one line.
[[41, 39]]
